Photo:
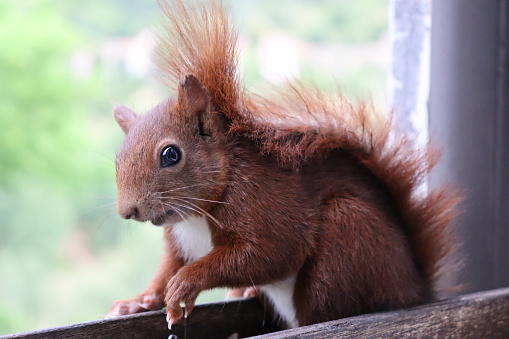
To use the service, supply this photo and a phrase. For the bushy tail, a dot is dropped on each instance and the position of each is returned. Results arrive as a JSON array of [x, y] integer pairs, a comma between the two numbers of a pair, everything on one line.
[[302, 124], [200, 40]]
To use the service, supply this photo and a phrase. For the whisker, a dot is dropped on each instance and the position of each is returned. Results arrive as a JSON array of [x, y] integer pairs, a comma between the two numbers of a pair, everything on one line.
[[200, 212], [99, 207], [207, 214], [129, 233], [181, 188], [215, 201], [178, 211], [182, 205], [103, 222], [174, 206], [111, 161], [108, 204]]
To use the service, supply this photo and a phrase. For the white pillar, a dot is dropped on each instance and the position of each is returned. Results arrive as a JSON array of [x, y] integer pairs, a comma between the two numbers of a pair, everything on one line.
[[408, 92]]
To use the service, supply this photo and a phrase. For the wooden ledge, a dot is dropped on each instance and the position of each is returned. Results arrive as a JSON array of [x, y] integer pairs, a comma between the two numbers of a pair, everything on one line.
[[478, 315]]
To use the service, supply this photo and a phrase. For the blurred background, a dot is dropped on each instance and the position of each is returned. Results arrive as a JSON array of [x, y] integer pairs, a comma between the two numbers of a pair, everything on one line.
[[65, 255]]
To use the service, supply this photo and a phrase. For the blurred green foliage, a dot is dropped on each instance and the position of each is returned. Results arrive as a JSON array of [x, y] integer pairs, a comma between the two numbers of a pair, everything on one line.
[[318, 21], [35, 91], [64, 253]]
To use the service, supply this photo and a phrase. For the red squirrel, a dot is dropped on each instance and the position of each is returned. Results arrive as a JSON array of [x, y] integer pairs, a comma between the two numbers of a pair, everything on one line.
[[309, 199]]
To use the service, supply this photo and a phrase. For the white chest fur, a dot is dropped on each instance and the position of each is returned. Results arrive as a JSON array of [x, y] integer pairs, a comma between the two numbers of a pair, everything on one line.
[[193, 238], [281, 295]]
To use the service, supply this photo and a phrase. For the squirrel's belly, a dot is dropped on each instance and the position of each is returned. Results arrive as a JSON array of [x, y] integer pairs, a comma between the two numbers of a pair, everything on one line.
[[280, 294], [192, 237]]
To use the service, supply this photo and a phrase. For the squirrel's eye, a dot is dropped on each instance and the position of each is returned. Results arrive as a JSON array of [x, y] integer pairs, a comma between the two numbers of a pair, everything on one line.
[[170, 155]]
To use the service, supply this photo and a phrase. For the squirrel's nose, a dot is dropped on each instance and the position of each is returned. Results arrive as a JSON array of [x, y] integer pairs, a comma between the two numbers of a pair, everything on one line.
[[132, 214], [128, 212]]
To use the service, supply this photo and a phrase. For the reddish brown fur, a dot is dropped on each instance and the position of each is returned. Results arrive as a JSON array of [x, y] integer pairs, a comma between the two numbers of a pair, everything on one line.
[[307, 185]]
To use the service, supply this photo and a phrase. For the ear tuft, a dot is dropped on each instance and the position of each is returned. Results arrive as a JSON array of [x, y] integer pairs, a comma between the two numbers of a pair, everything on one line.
[[125, 117]]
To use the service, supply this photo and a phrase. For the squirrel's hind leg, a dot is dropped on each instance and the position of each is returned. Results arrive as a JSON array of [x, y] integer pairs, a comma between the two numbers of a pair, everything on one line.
[[363, 263]]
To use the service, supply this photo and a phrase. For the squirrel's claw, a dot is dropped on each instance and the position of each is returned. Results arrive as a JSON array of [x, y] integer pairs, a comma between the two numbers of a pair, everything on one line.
[[173, 314], [181, 288]]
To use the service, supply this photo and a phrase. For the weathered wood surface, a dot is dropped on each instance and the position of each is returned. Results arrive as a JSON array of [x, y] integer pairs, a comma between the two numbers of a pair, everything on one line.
[[217, 320], [479, 315]]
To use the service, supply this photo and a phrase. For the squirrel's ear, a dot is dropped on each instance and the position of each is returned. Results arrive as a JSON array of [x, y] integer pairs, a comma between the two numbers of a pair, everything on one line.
[[192, 95], [125, 117], [195, 99]]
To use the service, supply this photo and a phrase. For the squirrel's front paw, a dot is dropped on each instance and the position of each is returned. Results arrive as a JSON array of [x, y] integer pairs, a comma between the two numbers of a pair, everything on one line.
[[141, 303], [181, 288]]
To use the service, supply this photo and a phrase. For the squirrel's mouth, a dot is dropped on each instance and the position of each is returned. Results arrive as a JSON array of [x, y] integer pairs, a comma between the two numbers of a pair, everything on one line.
[[160, 220]]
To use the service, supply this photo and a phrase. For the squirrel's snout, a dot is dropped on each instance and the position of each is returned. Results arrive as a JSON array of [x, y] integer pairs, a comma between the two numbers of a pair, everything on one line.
[[127, 211]]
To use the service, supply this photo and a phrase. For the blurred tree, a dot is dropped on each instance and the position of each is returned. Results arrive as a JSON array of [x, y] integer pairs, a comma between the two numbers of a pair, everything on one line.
[[113, 17], [42, 169], [321, 20], [38, 95]]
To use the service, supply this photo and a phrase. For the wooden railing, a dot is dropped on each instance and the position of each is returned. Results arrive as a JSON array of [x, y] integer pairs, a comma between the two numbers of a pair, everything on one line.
[[479, 315]]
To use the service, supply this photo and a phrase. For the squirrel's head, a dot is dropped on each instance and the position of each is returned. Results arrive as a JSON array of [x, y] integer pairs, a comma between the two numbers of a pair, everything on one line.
[[172, 163]]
